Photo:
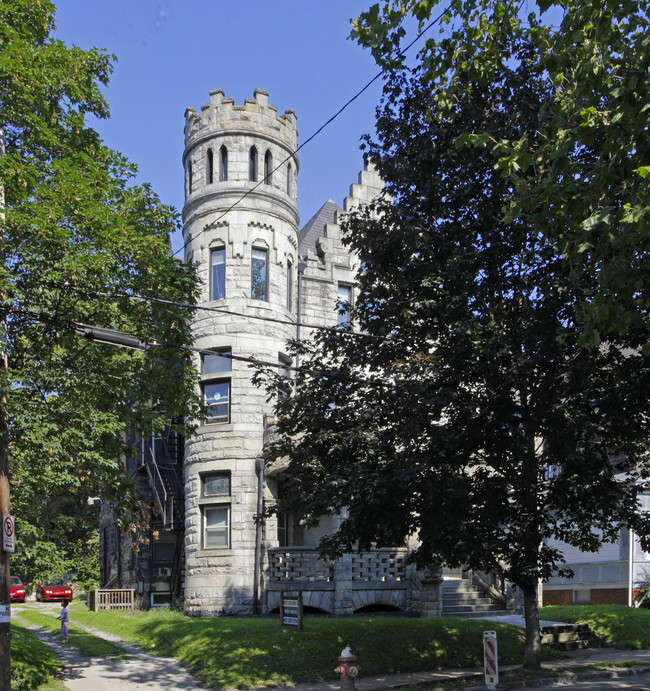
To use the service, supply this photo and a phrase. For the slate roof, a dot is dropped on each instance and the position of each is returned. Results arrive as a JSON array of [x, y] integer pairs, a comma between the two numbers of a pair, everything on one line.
[[315, 227]]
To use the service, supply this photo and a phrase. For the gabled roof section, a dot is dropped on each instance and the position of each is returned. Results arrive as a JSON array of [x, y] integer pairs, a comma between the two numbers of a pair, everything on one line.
[[315, 227]]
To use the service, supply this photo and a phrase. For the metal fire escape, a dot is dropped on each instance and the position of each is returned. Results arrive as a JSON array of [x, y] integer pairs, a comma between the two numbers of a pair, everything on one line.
[[161, 458]]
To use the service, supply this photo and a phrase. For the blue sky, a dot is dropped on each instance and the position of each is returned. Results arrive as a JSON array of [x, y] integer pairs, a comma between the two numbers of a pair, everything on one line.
[[171, 53]]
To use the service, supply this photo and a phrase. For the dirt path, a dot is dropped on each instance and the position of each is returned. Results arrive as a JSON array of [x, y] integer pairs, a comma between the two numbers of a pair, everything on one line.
[[138, 670]]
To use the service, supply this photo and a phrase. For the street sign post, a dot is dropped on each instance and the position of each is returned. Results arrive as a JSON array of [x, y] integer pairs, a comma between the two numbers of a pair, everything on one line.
[[8, 530]]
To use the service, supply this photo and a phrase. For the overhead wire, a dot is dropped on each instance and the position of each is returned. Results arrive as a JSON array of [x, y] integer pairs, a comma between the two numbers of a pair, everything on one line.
[[220, 310], [125, 340], [309, 139]]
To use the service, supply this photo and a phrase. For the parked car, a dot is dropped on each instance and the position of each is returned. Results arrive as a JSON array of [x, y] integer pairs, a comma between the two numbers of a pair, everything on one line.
[[54, 589], [17, 589]]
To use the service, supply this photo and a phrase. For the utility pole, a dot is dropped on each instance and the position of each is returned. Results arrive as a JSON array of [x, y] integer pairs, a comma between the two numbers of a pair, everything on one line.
[[5, 598]]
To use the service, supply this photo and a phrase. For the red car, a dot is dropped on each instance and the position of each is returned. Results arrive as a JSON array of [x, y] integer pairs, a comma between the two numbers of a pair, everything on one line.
[[17, 589], [54, 589]]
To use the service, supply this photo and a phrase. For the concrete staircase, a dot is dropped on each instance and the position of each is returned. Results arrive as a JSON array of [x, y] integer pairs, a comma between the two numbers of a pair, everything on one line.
[[570, 637], [461, 598]]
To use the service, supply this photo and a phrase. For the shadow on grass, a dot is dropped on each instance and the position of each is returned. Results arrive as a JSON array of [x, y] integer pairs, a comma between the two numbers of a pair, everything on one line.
[[225, 652], [33, 663]]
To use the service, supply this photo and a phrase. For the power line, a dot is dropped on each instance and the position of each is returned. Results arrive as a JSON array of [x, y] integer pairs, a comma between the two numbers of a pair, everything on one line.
[[220, 310], [121, 339], [310, 138]]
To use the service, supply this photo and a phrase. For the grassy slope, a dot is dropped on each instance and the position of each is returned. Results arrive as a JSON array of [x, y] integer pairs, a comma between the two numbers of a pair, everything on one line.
[[34, 665], [618, 625], [232, 652]]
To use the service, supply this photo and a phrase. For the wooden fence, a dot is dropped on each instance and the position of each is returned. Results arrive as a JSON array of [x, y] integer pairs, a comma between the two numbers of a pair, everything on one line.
[[111, 599]]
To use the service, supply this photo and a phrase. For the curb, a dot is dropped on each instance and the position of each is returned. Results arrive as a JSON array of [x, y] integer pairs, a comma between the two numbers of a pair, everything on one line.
[[566, 679]]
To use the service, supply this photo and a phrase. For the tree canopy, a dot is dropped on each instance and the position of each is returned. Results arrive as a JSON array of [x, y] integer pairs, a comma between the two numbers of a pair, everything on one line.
[[81, 245], [583, 179], [470, 411]]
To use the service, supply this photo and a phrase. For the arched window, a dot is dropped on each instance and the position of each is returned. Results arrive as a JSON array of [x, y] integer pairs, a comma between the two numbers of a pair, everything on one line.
[[289, 171], [189, 177], [252, 164], [268, 167], [209, 167], [223, 164]]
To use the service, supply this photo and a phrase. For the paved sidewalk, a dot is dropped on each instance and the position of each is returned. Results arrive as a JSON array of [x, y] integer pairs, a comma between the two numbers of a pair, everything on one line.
[[135, 672], [577, 666]]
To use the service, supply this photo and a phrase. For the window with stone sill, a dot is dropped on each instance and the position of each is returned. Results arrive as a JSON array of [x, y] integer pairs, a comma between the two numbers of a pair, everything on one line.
[[259, 274], [216, 387], [163, 545], [218, 273], [216, 526], [215, 484], [344, 304]]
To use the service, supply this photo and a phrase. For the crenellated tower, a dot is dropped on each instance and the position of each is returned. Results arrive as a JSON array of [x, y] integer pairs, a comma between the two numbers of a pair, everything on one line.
[[241, 232]]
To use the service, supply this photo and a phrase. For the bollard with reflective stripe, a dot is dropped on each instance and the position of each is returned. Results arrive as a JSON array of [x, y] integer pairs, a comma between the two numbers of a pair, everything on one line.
[[490, 659]]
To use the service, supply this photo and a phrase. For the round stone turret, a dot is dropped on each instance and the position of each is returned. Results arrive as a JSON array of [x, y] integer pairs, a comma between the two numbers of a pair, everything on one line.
[[241, 232]]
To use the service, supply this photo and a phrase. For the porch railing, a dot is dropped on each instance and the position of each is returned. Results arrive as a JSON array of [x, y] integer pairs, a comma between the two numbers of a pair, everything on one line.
[[305, 564], [119, 598], [298, 564]]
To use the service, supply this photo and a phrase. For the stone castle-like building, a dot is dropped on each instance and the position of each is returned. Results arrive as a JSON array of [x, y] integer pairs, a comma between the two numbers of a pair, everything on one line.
[[265, 281]]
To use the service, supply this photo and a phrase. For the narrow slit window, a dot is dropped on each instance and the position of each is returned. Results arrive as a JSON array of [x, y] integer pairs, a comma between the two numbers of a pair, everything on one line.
[[289, 286], [189, 177], [289, 171], [223, 164], [268, 167], [209, 165], [252, 164]]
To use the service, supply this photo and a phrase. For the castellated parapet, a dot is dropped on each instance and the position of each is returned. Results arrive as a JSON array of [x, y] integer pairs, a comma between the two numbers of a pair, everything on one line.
[[234, 150]]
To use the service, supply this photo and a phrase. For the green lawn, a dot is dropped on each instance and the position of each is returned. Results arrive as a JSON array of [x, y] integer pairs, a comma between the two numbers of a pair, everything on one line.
[[85, 643], [241, 653], [620, 626], [34, 665]]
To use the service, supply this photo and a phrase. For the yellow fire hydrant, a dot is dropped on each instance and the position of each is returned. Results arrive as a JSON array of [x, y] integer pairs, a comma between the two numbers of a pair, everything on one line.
[[348, 669]]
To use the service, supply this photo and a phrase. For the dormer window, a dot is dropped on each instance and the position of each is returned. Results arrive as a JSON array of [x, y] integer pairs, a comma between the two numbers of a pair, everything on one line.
[[268, 167], [223, 164], [209, 167], [252, 164]]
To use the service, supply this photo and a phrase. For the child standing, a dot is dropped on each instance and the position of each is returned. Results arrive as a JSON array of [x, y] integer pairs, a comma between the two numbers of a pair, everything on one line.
[[65, 620]]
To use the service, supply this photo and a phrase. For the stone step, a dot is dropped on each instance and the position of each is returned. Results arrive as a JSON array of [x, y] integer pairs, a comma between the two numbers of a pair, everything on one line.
[[570, 637], [471, 613], [460, 588], [462, 600], [473, 608]]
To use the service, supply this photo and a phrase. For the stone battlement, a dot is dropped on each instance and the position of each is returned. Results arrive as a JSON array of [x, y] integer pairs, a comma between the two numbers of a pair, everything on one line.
[[256, 116]]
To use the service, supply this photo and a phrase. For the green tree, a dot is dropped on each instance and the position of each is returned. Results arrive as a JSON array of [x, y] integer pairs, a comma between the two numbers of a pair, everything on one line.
[[80, 244], [583, 180], [467, 413]]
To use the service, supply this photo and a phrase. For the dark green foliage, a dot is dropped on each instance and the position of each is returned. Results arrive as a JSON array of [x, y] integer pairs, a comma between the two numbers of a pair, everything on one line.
[[470, 415], [78, 240]]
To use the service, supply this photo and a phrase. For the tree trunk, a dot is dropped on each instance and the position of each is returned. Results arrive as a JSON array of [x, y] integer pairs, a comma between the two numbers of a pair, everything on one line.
[[533, 654]]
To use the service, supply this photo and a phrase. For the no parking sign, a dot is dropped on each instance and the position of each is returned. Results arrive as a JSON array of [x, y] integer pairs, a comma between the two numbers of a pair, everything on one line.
[[8, 529]]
